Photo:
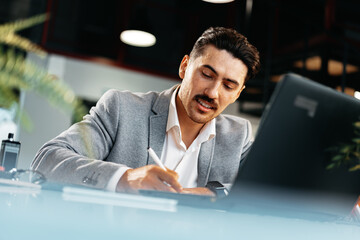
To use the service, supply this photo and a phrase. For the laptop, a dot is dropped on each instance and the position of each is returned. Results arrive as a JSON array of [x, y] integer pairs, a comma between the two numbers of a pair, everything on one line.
[[287, 169]]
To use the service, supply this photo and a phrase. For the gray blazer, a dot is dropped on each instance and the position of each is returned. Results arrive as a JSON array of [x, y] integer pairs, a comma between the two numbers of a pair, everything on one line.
[[118, 131]]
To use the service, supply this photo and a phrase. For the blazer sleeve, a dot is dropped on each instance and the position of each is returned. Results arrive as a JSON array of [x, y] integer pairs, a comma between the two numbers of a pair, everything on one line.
[[233, 141], [248, 142], [83, 147]]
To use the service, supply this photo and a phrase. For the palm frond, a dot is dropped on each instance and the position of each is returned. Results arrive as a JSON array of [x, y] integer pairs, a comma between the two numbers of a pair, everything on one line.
[[9, 37], [23, 23], [16, 72], [15, 40]]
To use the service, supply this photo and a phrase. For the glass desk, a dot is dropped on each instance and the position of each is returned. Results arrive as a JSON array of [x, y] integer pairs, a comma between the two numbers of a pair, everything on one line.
[[76, 213]]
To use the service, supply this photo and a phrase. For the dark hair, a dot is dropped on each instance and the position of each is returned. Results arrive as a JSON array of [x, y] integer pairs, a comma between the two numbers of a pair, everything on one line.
[[235, 43]]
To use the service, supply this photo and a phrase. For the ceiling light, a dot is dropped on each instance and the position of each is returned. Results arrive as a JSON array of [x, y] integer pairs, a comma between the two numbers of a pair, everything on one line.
[[218, 1], [137, 38], [357, 94]]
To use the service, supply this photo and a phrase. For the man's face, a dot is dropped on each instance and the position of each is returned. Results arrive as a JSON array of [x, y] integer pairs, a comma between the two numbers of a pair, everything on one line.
[[210, 83]]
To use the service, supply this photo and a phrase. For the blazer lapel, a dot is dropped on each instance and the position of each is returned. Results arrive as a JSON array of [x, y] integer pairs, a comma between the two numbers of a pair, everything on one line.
[[157, 135], [158, 122], [205, 160]]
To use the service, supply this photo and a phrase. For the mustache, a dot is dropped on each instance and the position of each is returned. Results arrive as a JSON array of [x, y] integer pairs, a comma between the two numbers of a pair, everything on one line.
[[207, 99]]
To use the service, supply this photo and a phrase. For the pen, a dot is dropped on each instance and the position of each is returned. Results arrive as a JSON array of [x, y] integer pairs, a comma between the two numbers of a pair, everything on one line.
[[156, 158]]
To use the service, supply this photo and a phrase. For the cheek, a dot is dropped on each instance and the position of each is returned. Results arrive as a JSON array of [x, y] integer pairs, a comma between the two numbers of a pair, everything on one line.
[[194, 85], [227, 100], [199, 84], [189, 81]]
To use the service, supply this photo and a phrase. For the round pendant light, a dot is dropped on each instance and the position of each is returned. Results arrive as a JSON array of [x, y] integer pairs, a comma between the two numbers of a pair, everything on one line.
[[138, 38], [218, 1]]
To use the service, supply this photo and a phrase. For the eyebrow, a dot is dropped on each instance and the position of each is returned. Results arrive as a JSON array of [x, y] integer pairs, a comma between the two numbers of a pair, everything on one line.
[[227, 79]]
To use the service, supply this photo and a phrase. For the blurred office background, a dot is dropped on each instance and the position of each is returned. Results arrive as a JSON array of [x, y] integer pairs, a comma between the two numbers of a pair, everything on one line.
[[319, 39]]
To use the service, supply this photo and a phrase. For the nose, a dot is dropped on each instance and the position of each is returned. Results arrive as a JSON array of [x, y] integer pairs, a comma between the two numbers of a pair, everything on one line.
[[212, 90]]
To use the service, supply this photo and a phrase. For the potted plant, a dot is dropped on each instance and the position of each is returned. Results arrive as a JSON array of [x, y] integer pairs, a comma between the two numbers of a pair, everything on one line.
[[18, 74]]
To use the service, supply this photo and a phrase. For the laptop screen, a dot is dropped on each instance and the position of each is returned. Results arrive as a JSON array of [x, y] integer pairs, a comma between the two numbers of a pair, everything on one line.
[[293, 149]]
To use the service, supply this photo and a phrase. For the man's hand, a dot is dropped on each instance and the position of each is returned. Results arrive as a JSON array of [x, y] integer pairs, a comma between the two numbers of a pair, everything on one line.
[[149, 177], [199, 191]]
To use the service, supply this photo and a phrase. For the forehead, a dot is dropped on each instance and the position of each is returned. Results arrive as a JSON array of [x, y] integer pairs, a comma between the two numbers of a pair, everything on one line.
[[210, 51], [223, 62]]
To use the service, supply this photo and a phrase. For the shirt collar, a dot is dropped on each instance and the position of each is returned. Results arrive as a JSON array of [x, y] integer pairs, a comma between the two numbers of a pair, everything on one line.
[[207, 132]]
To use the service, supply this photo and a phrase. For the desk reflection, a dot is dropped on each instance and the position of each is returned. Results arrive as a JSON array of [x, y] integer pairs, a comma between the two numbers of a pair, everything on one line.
[[91, 214]]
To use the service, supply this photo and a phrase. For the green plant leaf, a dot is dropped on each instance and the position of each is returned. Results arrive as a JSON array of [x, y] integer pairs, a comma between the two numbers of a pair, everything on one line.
[[23, 43], [357, 125], [355, 168], [23, 23], [346, 149], [330, 166], [9, 37], [356, 154], [18, 73], [347, 154], [337, 158]]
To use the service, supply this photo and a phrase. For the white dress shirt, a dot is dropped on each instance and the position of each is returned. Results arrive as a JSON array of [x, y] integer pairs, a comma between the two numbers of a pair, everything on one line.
[[175, 155]]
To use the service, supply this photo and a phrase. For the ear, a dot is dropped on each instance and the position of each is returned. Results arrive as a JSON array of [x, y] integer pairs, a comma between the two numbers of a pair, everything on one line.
[[183, 65]]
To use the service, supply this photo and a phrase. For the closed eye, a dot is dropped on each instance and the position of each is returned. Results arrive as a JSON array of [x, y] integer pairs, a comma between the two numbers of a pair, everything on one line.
[[227, 86], [206, 75], [230, 85]]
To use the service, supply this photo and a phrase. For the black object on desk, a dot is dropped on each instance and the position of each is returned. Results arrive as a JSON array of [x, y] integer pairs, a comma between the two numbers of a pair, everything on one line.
[[10, 151], [287, 164]]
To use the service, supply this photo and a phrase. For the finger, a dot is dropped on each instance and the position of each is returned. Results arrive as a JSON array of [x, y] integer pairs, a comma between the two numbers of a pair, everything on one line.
[[163, 186], [168, 176], [171, 179], [156, 183], [175, 174], [199, 191]]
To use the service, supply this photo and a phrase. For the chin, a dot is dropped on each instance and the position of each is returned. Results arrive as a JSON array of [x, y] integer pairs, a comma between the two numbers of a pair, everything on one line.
[[201, 119]]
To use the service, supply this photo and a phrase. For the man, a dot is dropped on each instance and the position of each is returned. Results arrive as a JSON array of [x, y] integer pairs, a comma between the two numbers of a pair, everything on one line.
[[108, 149]]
